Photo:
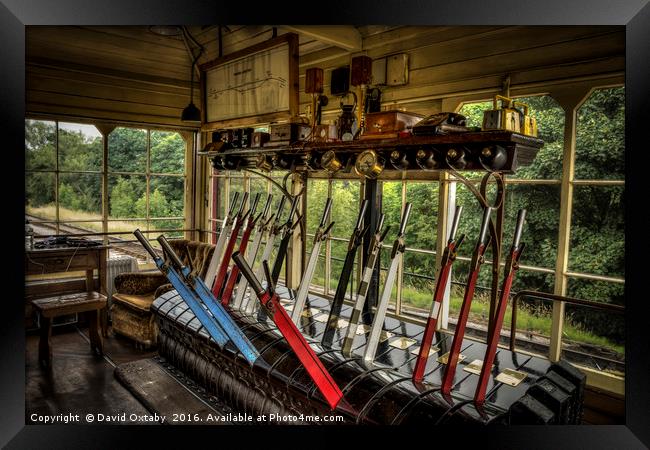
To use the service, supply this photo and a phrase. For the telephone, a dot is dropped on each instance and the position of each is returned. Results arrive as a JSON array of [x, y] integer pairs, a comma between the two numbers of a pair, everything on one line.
[[440, 123]]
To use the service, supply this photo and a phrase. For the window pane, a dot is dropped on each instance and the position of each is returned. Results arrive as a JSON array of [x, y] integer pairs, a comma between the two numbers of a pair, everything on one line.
[[80, 147], [237, 185], [82, 227], [597, 231], [258, 185], [167, 152], [127, 225], [166, 196], [534, 319], [422, 228], [80, 196], [39, 190], [600, 136], [127, 196], [316, 197], [383, 273], [595, 338], [339, 249], [127, 150], [169, 224], [474, 112], [550, 128], [542, 204], [391, 204], [218, 197], [418, 283], [345, 207], [470, 219], [40, 145]]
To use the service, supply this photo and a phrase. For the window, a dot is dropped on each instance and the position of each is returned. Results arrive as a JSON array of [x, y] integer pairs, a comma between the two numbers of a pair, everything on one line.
[[65, 175], [595, 250], [595, 269], [146, 181]]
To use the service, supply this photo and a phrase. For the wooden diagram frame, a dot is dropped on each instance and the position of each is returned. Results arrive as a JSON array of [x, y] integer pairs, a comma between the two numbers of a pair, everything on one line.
[[291, 41]]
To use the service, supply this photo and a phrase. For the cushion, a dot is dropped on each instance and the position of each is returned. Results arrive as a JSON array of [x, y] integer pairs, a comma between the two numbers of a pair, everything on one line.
[[139, 302]]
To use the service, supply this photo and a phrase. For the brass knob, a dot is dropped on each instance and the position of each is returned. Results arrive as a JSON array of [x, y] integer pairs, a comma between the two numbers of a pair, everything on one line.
[[452, 153], [421, 154], [486, 152], [394, 154]]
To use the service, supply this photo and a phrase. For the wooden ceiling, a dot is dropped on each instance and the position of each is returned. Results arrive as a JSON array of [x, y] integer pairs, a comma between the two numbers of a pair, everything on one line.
[[137, 50], [128, 73]]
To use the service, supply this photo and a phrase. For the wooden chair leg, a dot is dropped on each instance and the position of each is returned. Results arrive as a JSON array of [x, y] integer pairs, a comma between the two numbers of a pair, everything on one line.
[[44, 344], [96, 341], [104, 321]]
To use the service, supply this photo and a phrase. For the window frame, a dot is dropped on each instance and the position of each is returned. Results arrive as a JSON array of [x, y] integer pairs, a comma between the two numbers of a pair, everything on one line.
[[105, 129]]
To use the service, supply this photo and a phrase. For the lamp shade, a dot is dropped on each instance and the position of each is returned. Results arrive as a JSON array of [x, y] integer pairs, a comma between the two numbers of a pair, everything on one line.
[[191, 113]]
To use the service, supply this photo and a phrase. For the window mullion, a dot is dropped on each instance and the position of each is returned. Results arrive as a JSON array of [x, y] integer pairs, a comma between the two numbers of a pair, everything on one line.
[[148, 181], [566, 208], [56, 177]]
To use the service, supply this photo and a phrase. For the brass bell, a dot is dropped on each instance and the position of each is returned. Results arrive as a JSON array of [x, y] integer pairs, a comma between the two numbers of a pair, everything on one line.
[[399, 160], [428, 159], [457, 158], [493, 157]]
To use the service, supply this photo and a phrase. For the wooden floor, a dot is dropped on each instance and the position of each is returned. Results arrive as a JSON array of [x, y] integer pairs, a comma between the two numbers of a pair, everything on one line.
[[82, 383], [79, 382]]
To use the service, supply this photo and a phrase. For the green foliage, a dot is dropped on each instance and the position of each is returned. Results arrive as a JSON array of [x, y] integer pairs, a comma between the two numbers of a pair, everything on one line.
[[81, 192]]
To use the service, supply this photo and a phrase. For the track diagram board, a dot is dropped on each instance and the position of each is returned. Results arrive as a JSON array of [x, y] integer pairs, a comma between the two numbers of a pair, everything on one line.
[[249, 86]]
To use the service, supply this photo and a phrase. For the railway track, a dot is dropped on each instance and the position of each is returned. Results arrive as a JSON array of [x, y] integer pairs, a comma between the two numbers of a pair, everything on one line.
[[579, 353], [124, 246]]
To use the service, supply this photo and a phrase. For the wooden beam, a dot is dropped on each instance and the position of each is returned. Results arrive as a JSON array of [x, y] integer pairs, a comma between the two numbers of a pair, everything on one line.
[[343, 36]]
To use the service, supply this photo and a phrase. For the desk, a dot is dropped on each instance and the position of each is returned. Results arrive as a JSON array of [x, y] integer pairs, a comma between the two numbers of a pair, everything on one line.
[[70, 259]]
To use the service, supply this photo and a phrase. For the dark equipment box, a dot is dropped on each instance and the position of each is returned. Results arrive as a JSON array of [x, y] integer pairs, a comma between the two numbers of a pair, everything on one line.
[[386, 124]]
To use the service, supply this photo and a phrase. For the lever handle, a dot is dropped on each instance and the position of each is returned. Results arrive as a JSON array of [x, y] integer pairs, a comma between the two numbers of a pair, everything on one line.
[[326, 212], [255, 202], [269, 278], [484, 225], [283, 200], [362, 213], [247, 272], [454, 223], [521, 215], [243, 203], [176, 261], [383, 235], [268, 221], [327, 230], [294, 206], [382, 217], [267, 206], [405, 219], [145, 243], [233, 203]]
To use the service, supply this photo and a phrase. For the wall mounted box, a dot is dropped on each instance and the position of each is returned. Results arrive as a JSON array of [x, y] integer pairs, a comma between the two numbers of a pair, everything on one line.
[[314, 80], [397, 69], [340, 83], [361, 70], [379, 72]]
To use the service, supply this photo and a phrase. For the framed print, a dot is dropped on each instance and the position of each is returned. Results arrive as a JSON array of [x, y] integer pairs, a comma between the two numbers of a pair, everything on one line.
[[255, 85]]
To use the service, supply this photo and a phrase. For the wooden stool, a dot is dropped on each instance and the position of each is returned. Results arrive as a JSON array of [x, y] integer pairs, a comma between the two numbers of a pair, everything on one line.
[[89, 303]]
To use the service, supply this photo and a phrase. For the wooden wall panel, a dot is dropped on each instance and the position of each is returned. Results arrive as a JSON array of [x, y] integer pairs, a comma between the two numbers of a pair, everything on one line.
[[101, 72]]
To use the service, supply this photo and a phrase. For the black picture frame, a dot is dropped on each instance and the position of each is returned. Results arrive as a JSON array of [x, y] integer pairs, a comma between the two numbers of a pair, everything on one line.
[[15, 14]]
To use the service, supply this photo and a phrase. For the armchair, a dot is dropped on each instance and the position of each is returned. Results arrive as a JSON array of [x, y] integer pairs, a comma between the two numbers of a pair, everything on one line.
[[135, 292]]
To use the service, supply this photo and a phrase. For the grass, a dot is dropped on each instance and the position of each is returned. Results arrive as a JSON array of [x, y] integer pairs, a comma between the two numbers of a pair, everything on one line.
[[528, 319], [92, 220]]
